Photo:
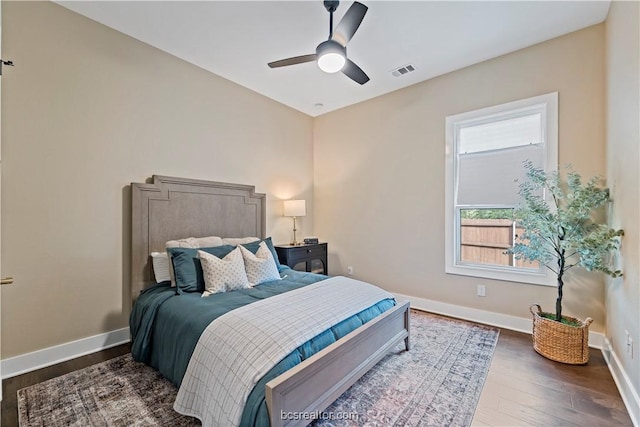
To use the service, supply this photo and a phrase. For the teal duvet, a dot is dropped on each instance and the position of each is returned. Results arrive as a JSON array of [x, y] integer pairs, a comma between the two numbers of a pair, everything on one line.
[[165, 329]]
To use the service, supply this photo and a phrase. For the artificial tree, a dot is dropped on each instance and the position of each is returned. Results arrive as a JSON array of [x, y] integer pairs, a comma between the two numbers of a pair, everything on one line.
[[564, 233]]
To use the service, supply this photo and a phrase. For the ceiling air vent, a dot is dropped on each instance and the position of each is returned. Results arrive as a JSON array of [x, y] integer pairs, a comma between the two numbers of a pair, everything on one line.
[[405, 69]]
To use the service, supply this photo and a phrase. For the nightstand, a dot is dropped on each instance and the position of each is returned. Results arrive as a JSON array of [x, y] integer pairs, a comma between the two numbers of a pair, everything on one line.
[[311, 258]]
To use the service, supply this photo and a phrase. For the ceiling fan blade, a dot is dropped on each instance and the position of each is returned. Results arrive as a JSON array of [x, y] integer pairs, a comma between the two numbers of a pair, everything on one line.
[[354, 72], [293, 61], [350, 23]]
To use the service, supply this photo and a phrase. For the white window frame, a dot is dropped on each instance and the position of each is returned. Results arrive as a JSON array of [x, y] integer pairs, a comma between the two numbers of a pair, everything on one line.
[[548, 105]]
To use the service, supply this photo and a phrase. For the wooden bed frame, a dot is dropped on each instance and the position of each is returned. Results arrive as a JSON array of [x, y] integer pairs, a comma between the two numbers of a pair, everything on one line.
[[170, 208]]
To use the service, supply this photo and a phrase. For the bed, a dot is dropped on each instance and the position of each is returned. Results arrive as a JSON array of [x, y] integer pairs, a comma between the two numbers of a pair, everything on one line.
[[168, 208]]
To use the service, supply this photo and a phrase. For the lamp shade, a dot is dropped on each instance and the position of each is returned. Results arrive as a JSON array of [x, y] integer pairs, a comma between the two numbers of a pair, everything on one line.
[[295, 208]]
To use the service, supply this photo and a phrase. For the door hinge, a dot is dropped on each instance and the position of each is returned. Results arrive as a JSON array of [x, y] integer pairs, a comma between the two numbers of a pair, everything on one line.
[[7, 63]]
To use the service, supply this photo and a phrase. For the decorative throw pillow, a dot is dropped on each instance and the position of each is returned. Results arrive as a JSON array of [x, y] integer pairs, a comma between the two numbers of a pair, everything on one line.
[[160, 262], [221, 275], [187, 269], [193, 243], [253, 247], [260, 267], [239, 240]]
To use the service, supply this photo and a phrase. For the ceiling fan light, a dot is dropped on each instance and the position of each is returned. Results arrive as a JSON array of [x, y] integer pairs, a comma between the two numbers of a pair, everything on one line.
[[331, 62], [331, 56]]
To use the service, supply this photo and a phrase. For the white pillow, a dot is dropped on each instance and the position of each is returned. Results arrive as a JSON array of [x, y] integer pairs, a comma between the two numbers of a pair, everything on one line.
[[260, 267], [193, 243], [160, 262], [196, 242], [221, 275], [235, 241]]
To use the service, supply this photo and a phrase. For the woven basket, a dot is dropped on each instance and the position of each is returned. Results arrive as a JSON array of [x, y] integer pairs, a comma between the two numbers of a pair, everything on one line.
[[560, 342]]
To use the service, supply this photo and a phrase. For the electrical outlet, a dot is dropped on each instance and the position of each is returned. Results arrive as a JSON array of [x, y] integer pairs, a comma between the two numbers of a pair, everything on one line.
[[629, 343], [350, 271], [481, 290]]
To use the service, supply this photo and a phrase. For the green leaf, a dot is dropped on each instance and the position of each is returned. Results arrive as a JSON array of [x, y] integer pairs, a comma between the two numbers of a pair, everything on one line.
[[564, 232]]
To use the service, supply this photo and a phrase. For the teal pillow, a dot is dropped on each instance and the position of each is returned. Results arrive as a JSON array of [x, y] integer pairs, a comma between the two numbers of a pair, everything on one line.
[[187, 268]]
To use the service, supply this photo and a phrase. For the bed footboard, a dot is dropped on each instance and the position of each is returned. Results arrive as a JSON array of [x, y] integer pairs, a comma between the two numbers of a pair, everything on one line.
[[313, 385]]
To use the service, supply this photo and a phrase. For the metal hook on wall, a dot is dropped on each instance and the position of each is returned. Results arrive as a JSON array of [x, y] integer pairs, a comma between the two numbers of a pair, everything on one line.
[[3, 62]]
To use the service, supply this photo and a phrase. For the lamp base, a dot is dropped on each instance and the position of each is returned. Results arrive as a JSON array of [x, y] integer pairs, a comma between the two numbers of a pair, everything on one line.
[[294, 243]]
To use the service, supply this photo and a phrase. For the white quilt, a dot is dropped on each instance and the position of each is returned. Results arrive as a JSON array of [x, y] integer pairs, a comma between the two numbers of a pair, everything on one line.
[[237, 349]]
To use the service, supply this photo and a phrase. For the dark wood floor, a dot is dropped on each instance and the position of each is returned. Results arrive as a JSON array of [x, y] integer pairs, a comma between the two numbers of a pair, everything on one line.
[[522, 388], [526, 389], [11, 386]]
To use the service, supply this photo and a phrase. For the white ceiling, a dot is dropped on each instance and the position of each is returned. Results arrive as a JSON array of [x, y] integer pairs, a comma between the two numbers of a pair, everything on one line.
[[236, 39]]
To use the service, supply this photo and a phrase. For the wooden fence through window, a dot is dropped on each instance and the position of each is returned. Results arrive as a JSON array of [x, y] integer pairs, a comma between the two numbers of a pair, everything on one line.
[[485, 241]]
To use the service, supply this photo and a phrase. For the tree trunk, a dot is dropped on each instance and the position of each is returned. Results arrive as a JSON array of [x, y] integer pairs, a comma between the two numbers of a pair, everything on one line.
[[559, 299], [560, 285]]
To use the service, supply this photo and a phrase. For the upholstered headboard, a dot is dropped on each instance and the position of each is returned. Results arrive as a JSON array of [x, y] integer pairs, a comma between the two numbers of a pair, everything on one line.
[[171, 208]]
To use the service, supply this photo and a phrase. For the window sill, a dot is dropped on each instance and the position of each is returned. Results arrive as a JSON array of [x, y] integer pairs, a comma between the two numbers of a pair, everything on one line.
[[544, 278]]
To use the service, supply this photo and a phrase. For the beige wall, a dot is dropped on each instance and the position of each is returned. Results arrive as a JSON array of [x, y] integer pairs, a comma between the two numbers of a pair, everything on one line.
[[623, 166], [86, 111], [379, 173]]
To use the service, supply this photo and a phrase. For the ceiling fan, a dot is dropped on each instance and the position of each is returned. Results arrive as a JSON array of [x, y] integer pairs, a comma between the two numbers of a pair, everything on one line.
[[331, 54]]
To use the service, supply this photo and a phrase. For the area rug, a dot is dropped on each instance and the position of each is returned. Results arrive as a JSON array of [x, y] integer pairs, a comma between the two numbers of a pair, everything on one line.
[[437, 383]]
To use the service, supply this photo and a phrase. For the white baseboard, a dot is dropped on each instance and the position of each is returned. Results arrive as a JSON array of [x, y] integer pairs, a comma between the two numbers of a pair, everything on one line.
[[60, 353], [630, 395], [520, 324]]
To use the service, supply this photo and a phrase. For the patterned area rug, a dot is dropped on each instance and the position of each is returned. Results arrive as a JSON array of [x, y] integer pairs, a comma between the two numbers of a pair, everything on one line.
[[437, 383]]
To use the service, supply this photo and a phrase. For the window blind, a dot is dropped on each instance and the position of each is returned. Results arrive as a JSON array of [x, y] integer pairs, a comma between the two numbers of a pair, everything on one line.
[[489, 177], [506, 133]]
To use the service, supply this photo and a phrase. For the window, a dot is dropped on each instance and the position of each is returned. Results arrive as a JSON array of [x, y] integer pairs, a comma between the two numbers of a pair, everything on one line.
[[485, 153]]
